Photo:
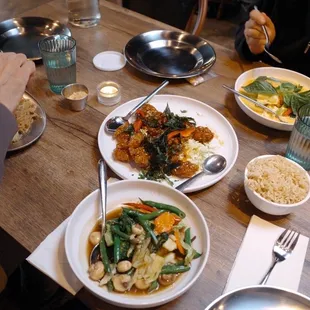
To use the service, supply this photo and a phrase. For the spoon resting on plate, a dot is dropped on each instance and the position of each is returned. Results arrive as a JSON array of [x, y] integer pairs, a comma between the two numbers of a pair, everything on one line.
[[102, 173], [114, 122], [212, 165]]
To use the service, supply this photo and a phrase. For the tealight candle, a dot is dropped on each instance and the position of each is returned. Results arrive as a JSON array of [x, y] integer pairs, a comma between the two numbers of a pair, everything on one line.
[[108, 93]]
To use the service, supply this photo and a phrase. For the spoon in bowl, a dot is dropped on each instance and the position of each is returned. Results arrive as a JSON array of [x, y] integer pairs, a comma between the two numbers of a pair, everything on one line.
[[212, 165], [256, 103], [102, 173], [114, 122]]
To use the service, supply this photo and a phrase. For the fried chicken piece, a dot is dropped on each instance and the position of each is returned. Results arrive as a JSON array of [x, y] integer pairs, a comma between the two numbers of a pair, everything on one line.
[[121, 155], [148, 109], [152, 117], [154, 132], [136, 140], [123, 140], [185, 170], [121, 129], [203, 134], [140, 157]]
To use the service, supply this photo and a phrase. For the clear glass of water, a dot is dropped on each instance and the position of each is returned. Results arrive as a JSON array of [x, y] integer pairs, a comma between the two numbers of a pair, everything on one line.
[[59, 57], [83, 13], [298, 148]]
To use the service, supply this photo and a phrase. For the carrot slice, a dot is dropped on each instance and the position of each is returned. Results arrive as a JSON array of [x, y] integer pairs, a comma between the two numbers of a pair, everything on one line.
[[140, 206], [173, 134], [137, 125], [187, 132], [178, 242], [140, 113], [164, 222], [287, 112]]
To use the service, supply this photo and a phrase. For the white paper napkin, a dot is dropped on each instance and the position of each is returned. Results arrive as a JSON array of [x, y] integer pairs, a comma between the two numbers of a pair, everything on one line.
[[255, 258], [50, 258]]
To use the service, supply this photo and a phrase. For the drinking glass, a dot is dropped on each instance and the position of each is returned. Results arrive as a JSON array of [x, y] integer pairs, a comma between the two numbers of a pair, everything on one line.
[[83, 13], [298, 148], [59, 58]]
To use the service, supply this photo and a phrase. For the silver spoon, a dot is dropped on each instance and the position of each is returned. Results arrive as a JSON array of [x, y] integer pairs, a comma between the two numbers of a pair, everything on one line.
[[212, 165], [102, 173], [267, 44], [113, 123], [255, 102]]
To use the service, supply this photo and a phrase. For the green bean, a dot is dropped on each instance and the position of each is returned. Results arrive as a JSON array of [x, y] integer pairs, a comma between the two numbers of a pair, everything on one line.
[[110, 286], [148, 229], [154, 286], [117, 248], [152, 215], [132, 213], [197, 255], [170, 269], [162, 206], [104, 255], [116, 231], [187, 237]]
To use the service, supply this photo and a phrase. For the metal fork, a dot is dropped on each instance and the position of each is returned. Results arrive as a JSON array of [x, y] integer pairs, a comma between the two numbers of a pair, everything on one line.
[[282, 249], [267, 44]]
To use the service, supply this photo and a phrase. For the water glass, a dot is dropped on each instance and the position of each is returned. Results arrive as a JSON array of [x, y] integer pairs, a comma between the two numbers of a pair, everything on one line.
[[59, 57], [83, 13], [298, 148]]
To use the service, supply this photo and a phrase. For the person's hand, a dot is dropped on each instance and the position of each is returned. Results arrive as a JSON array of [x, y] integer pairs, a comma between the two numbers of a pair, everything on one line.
[[15, 71], [254, 33]]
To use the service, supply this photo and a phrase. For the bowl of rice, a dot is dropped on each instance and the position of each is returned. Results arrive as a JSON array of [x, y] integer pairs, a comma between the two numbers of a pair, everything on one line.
[[276, 185]]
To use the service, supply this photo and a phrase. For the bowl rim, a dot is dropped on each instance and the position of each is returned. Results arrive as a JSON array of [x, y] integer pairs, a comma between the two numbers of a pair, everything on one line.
[[266, 68], [296, 204], [163, 299]]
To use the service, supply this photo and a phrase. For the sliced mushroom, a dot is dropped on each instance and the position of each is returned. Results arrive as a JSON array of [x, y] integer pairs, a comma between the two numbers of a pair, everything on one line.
[[124, 266], [142, 284], [167, 279], [96, 271], [121, 282], [95, 237]]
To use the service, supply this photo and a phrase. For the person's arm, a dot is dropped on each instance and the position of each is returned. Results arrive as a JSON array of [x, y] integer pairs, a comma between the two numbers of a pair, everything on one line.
[[8, 128], [15, 71]]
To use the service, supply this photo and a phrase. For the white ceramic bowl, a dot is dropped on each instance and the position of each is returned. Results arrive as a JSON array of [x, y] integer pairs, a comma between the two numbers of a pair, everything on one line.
[[271, 207], [86, 215], [280, 73]]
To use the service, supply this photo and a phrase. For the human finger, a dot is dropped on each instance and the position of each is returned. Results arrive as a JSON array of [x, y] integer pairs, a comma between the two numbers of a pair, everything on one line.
[[251, 24], [253, 33], [4, 59], [26, 70], [258, 17]]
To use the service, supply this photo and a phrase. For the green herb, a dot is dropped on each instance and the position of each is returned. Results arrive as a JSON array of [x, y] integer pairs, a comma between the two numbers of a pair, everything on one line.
[[296, 100], [129, 129], [260, 86], [176, 122], [288, 87]]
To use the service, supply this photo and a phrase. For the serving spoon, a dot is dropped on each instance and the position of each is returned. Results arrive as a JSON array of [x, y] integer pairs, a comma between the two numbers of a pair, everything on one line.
[[212, 165], [256, 103], [114, 122], [102, 173]]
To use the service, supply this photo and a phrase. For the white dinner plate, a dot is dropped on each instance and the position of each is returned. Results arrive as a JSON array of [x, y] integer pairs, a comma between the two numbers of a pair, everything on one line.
[[86, 215], [282, 74], [224, 143]]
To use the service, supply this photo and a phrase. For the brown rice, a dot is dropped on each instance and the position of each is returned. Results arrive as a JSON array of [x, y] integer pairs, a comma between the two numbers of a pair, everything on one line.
[[278, 180]]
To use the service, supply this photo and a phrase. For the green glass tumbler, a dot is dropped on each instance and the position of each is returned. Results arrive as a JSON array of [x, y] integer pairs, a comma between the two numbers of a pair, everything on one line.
[[59, 57], [298, 148]]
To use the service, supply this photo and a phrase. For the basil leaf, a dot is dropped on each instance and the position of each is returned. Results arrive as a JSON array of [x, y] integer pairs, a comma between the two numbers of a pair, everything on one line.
[[296, 100], [260, 86]]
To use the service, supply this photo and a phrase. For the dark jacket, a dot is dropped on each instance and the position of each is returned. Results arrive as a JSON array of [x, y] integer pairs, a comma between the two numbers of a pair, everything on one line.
[[8, 128], [292, 22]]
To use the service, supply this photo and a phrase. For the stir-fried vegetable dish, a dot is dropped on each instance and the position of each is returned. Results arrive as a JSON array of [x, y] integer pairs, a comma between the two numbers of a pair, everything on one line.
[[146, 246], [283, 97], [156, 143]]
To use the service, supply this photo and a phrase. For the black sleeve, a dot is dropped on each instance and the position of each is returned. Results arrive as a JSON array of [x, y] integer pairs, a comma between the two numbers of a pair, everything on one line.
[[8, 128]]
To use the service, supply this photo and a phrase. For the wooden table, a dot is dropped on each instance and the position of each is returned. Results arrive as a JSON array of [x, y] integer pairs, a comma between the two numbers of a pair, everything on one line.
[[44, 183]]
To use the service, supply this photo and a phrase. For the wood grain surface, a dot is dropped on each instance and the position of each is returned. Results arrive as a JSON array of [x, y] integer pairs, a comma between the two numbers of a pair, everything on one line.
[[45, 182]]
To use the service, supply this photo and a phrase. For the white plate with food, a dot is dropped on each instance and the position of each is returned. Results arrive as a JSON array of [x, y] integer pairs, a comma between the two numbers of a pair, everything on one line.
[[31, 122], [281, 90], [169, 144], [145, 275]]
